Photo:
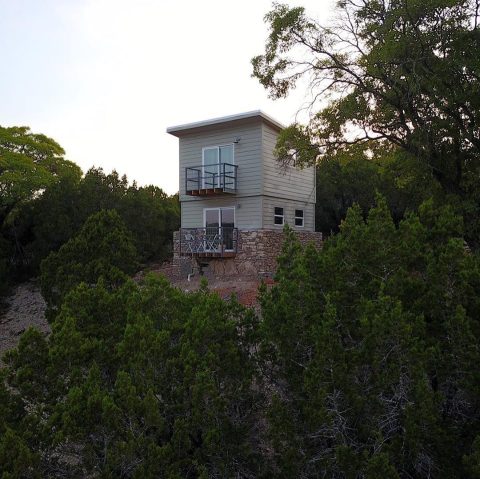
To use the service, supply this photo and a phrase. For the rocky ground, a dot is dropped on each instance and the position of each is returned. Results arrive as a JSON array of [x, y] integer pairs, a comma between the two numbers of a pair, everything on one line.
[[23, 308], [243, 286], [245, 289]]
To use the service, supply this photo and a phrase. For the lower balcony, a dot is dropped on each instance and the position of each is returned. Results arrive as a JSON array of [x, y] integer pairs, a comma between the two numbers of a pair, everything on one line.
[[216, 242]]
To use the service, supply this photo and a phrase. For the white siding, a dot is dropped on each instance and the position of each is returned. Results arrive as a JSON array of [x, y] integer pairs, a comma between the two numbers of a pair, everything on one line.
[[248, 211], [289, 183], [289, 207], [247, 154], [261, 183]]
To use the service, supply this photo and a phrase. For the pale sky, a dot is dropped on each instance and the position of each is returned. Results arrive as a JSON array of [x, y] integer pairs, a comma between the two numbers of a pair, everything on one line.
[[105, 78]]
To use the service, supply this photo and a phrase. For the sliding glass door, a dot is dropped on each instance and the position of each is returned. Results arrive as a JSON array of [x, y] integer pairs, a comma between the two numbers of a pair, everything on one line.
[[213, 170], [219, 225], [210, 168]]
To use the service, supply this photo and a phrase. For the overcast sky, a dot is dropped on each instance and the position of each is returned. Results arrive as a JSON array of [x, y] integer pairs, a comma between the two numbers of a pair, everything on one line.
[[106, 77]]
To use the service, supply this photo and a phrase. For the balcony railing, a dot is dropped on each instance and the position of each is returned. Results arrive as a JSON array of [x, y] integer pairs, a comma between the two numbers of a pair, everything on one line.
[[211, 179], [211, 241]]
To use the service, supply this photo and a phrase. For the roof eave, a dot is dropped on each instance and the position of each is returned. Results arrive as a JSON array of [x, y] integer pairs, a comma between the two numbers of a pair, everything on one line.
[[180, 130]]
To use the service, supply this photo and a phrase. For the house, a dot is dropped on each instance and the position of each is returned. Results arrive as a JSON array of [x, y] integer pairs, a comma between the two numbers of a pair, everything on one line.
[[236, 198]]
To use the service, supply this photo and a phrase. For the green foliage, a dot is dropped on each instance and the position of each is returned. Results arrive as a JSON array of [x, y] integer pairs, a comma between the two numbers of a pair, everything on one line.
[[397, 76], [141, 382], [16, 459], [29, 163], [44, 201], [364, 364], [48, 219], [358, 176], [374, 342], [150, 215], [102, 249]]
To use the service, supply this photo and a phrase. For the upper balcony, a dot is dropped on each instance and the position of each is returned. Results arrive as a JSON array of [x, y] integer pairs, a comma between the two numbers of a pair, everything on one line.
[[217, 179]]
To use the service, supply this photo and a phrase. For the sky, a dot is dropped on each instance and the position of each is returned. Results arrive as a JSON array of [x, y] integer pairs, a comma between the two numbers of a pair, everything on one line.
[[105, 78]]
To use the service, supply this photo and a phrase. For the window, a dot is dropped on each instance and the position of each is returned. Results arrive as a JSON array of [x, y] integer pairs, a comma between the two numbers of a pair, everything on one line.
[[219, 229], [299, 218], [278, 216], [213, 158]]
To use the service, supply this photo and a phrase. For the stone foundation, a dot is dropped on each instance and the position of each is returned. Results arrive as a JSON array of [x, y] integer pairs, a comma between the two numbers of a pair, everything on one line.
[[257, 253]]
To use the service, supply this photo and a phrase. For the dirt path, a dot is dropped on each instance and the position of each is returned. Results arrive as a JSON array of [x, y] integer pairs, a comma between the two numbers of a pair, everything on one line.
[[24, 308]]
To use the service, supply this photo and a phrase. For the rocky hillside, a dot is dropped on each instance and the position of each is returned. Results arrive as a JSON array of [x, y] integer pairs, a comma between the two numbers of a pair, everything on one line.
[[25, 307]]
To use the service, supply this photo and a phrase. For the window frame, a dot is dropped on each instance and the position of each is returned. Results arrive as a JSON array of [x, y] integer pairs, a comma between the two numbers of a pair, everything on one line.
[[217, 147], [275, 215], [219, 213], [302, 218]]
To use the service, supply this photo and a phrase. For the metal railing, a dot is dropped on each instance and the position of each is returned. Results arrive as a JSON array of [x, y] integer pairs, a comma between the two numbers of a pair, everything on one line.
[[223, 176], [213, 240]]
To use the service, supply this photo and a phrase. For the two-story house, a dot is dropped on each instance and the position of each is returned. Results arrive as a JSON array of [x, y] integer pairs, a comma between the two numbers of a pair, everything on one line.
[[235, 197]]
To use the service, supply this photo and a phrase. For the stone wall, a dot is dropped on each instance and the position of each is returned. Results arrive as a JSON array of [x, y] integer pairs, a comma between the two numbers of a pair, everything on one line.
[[256, 254]]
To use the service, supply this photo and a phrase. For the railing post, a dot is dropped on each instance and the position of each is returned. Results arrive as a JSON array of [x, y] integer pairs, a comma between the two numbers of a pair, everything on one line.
[[222, 246]]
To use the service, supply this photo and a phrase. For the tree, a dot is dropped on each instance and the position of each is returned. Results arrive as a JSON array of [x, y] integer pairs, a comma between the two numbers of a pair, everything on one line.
[[356, 176], [402, 74], [103, 248], [369, 347], [58, 214], [141, 381], [152, 216], [29, 163]]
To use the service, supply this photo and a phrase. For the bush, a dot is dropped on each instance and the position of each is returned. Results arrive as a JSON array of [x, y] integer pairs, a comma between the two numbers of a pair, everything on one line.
[[102, 249]]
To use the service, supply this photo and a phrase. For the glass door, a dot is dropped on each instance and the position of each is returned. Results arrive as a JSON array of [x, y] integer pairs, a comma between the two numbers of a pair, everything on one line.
[[212, 229], [218, 171], [219, 229], [227, 218], [226, 166], [210, 168]]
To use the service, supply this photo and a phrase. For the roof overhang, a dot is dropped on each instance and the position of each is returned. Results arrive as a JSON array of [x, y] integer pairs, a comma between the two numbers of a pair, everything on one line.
[[186, 128]]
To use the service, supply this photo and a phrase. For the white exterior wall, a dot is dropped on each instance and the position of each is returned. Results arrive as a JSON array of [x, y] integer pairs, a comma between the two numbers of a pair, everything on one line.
[[285, 182], [248, 211], [247, 154], [261, 183], [289, 207]]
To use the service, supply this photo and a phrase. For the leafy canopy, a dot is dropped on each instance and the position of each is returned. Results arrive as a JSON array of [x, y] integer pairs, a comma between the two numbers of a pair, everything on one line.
[[401, 73], [29, 163]]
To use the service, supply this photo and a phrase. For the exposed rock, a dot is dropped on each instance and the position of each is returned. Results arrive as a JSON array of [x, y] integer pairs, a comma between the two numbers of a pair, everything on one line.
[[24, 308]]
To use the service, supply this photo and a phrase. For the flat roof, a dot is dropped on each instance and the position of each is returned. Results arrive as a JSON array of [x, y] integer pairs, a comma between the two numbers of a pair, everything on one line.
[[179, 129]]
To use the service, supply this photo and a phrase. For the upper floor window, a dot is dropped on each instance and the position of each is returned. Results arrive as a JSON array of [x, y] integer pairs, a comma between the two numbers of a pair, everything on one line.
[[278, 217], [299, 218]]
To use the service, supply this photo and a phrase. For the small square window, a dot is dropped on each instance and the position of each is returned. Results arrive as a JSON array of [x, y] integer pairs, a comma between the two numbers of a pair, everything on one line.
[[278, 216], [299, 218]]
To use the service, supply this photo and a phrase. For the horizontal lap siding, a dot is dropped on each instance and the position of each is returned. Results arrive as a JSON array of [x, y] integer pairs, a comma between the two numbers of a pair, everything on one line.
[[248, 211], [289, 207], [290, 183], [247, 154], [261, 186]]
